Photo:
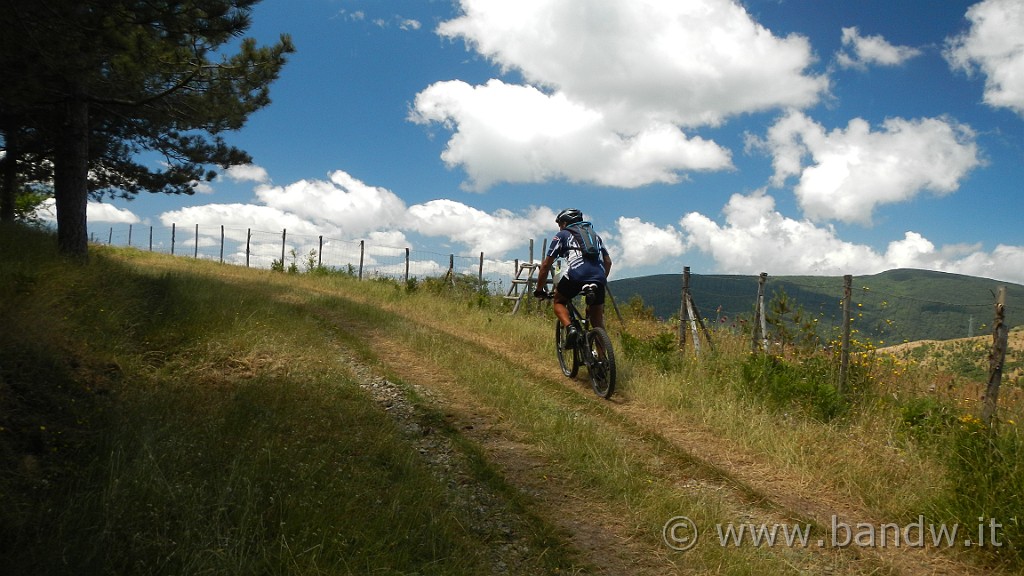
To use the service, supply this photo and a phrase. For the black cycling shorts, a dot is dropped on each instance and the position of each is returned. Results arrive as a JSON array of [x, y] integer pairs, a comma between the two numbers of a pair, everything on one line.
[[569, 288]]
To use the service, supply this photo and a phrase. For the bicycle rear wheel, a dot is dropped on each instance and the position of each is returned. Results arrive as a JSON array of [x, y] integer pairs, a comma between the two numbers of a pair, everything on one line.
[[601, 362], [568, 359]]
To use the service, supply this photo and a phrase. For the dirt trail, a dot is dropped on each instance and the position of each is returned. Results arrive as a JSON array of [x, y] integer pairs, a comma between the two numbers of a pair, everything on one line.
[[604, 534], [599, 535], [700, 460]]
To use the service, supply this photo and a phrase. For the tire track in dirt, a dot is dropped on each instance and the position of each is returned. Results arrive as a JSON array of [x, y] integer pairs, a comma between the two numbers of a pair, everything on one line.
[[599, 537]]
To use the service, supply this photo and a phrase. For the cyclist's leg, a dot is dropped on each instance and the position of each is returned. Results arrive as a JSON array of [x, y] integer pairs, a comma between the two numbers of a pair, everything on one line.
[[564, 292], [596, 310], [561, 311], [597, 315]]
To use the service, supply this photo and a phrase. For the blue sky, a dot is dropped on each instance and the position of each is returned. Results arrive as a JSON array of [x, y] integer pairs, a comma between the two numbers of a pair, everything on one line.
[[812, 137]]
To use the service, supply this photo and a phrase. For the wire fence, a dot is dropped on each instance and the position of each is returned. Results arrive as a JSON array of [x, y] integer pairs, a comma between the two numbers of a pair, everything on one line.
[[289, 250], [887, 308], [893, 308], [890, 308]]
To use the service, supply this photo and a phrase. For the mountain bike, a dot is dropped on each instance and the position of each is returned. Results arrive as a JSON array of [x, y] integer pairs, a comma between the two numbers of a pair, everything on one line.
[[593, 348]]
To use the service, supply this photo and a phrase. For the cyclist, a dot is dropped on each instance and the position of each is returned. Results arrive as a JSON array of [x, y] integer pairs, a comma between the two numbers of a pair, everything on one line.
[[579, 270]]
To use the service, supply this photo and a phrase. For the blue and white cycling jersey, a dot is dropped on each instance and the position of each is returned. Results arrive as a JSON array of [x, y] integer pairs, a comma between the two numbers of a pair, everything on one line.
[[565, 245]]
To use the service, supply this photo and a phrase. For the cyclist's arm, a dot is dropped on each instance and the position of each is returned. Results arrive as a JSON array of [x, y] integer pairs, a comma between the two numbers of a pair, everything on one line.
[[542, 272], [607, 262]]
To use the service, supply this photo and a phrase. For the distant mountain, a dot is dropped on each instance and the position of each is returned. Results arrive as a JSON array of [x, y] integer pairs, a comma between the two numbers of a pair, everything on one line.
[[894, 306]]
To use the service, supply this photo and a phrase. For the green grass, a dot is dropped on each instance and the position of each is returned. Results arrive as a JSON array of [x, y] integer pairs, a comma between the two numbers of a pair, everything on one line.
[[165, 415], [173, 422]]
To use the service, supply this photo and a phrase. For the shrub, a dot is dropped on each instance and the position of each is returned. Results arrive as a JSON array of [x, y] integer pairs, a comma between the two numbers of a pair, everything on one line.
[[806, 385], [927, 418], [660, 349]]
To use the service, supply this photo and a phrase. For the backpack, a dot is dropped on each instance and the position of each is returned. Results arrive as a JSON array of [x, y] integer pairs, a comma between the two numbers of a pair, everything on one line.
[[590, 244]]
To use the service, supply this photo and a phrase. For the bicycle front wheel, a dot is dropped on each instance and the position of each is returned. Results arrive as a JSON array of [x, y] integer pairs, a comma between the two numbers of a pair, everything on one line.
[[568, 359], [601, 363]]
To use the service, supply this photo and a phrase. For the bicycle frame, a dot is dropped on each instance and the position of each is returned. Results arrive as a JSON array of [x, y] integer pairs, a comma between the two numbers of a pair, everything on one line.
[[593, 349]]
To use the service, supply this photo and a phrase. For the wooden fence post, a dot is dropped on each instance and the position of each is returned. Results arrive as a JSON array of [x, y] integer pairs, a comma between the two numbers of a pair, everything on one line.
[[150, 238], [110, 236], [407, 266], [1000, 333], [320, 253], [129, 235], [362, 252], [688, 313], [682, 308], [530, 286], [195, 254], [480, 274], [615, 306], [844, 352], [221, 243], [760, 328], [173, 233], [691, 314], [284, 236], [248, 240]]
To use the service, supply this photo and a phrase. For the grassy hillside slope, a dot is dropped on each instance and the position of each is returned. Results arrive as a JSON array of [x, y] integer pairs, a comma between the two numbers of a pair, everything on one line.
[[166, 415], [158, 416]]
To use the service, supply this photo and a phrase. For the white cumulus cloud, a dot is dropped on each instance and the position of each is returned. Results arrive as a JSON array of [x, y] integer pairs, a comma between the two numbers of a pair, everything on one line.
[[102, 212], [95, 212], [849, 172], [994, 45], [641, 243], [620, 80], [512, 133], [868, 50], [342, 203], [688, 63], [493, 234], [754, 237], [247, 173], [757, 238], [237, 218], [345, 208]]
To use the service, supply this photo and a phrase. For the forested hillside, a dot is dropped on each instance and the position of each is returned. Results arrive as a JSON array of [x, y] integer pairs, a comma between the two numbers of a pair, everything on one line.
[[894, 306]]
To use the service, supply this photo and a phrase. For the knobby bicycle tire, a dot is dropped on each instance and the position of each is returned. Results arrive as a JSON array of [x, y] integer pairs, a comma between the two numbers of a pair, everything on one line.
[[602, 362], [568, 358]]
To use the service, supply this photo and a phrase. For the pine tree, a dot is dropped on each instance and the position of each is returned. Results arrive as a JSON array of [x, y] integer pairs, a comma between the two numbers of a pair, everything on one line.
[[89, 85]]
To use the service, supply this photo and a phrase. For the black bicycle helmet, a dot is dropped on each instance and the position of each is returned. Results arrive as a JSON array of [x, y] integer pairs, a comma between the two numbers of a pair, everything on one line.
[[568, 216]]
